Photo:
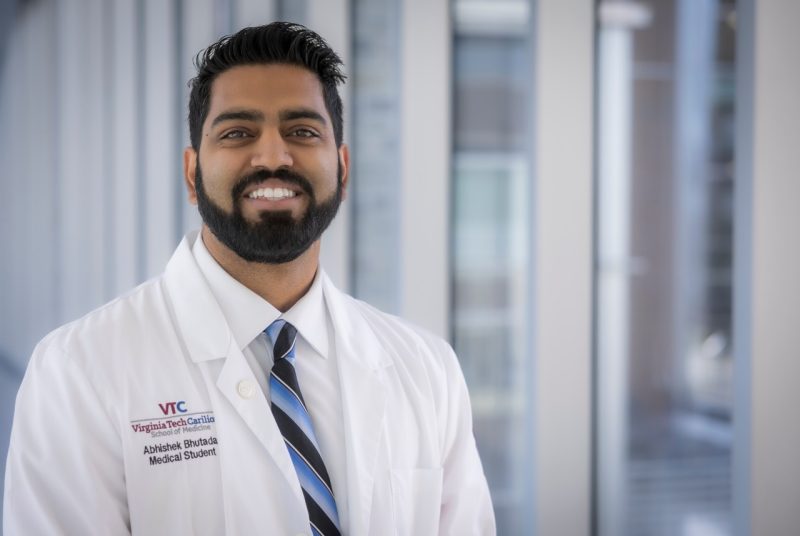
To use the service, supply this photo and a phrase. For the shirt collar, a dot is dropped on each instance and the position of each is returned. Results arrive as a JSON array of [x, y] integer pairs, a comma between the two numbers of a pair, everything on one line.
[[248, 314]]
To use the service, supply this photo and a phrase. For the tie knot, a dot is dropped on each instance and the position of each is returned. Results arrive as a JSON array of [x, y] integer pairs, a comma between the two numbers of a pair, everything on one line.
[[283, 336]]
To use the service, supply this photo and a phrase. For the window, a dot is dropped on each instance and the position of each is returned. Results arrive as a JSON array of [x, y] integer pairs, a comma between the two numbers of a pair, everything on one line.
[[491, 232], [664, 260], [375, 83]]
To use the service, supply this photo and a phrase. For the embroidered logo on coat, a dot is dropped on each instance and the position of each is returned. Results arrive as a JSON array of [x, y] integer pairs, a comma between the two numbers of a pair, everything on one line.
[[161, 434], [169, 408], [178, 420]]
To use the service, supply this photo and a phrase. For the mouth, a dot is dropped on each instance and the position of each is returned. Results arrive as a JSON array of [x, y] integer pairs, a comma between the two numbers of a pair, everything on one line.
[[273, 194]]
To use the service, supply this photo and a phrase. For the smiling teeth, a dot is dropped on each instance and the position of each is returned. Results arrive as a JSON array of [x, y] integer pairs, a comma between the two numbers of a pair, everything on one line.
[[273, 194]]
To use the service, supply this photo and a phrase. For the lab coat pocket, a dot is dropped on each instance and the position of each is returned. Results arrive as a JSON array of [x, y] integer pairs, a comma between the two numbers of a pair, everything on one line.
[[417, 499]]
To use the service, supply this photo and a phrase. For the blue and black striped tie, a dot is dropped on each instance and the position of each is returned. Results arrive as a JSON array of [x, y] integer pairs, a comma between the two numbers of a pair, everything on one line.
[[294, 422]]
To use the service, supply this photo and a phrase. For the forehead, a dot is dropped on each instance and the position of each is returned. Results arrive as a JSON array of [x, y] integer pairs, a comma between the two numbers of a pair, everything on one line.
[[268, 88]]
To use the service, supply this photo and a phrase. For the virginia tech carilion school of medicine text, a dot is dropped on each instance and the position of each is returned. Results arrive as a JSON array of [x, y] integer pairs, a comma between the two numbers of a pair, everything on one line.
[[179, 449]]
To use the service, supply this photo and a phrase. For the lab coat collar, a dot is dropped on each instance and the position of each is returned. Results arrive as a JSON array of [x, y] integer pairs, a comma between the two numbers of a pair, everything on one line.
[[351, 328], [309, 316], [200, 320], [248, 314]]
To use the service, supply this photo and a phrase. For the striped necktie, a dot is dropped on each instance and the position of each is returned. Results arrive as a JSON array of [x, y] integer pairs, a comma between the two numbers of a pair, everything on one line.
[[294, 422]]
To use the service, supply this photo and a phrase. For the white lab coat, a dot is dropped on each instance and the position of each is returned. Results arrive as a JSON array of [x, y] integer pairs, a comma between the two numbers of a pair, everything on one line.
[[79, 465]]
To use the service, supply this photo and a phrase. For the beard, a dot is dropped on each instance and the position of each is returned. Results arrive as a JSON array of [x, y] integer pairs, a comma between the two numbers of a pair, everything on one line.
[[277, 237]]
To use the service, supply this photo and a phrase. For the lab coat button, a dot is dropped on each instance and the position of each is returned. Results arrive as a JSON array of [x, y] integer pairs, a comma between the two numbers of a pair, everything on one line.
[[246, 389]]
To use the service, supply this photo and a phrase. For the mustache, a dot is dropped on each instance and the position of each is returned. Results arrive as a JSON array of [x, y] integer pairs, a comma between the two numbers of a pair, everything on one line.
[[284, 174]]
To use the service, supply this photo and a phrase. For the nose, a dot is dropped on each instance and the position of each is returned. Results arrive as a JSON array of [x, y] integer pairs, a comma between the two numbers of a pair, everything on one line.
[[271, 151]]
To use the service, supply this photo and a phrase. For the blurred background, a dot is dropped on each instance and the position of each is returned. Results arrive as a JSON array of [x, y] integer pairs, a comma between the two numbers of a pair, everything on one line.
[[477, 209]]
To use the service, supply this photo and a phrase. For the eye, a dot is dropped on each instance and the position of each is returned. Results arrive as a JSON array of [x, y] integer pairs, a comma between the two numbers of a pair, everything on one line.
[[234, 135], [304, 133]]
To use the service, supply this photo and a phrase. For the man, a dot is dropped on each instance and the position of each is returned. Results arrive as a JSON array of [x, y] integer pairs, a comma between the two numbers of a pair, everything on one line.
[[240, 392]]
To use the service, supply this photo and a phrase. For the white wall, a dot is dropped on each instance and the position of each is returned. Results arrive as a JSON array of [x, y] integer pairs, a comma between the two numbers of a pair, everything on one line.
[[767, 299], [563, 253]]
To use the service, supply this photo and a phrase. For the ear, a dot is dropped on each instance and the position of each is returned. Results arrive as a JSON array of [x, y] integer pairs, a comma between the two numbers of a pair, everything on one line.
[[344, 159], [189, 171]]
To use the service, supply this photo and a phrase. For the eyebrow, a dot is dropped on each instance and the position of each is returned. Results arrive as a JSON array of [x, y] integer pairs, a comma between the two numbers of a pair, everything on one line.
[[258, 117], [239, 115], [302, 113]]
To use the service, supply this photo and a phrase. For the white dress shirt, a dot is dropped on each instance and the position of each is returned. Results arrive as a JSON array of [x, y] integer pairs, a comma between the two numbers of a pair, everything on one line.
[[248, 315]]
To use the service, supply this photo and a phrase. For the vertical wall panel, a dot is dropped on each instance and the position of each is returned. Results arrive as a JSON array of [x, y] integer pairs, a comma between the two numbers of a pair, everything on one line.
[[80, 149], [425, 163], [27, 211], [374, 134], [28, 197], [253, 12], [775, 291], [767, 261], [10, 169], [223, 16], [125, 166], [91, 131], [743, 268], [613, 256], [14, 198], [159, 135], [37, 255], [295, 10], [563, 249], [67, 154]]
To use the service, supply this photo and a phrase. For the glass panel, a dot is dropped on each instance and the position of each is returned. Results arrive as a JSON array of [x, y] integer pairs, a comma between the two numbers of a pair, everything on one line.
[[375, 81], [491, 189], [665, 184]]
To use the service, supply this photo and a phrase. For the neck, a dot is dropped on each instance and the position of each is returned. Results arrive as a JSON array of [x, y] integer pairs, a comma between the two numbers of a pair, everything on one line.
[[282, 285]]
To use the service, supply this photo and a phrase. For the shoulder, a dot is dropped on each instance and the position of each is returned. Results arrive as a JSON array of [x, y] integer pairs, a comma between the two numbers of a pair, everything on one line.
[[95, 337], [421, 366], [405, 341], [393, 325], [86, 363]]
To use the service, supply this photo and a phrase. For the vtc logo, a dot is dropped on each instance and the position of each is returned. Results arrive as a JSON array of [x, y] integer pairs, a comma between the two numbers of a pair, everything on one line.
[[170, 408]]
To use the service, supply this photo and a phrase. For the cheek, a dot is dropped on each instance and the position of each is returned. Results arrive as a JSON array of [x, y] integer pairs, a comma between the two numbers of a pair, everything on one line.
[[328, 175], [217, 183]]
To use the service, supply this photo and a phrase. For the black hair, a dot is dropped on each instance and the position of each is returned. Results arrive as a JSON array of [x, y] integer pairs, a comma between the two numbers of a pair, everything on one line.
[[277, 42]]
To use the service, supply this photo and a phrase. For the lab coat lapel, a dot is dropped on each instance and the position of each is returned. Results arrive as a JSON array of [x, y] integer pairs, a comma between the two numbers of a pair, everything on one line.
[[200, 321], [256, 413], [362, 361], [207, 336]]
